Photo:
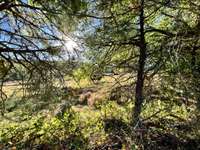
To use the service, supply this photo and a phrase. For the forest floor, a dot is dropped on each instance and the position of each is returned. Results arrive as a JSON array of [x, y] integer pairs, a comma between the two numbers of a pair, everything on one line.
[[99, 118]]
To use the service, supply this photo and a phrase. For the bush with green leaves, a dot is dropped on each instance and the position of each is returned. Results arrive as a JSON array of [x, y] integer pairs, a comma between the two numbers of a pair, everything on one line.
[[39, 130]]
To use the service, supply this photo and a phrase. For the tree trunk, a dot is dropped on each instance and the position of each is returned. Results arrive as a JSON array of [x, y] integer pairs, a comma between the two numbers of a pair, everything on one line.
[[140, 73], [193, 58]]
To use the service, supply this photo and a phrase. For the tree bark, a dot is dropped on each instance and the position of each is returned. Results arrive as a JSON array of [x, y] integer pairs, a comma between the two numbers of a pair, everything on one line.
[[140, 73], [193, 59]]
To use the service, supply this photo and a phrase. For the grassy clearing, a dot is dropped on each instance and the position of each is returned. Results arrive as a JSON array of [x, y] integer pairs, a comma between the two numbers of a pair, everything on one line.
[[31, 123]]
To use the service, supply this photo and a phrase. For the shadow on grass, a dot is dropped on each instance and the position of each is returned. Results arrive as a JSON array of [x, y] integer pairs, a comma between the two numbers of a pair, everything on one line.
[[150, 136]]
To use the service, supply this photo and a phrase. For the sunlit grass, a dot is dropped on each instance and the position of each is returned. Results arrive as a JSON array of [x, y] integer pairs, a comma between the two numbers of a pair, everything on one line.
[[13, 90], [89, 121]]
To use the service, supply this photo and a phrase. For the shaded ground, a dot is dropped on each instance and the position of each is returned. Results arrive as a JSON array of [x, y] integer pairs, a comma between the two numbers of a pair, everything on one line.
[[103, 125]]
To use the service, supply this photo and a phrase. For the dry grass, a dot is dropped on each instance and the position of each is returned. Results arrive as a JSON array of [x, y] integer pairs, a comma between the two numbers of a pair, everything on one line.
[[13, 89]]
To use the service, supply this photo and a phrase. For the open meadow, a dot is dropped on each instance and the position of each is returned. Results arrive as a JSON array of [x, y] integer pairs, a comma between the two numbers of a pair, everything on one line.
[[92, 120]]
